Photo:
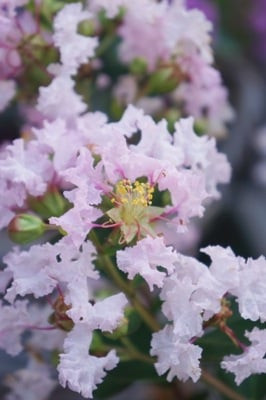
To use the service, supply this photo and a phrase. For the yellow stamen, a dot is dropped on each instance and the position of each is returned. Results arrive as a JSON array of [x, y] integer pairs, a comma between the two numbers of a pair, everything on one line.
[[137, 193]]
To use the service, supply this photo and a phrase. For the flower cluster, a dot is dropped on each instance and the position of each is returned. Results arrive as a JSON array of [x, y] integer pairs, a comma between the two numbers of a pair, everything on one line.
[[104, 197]]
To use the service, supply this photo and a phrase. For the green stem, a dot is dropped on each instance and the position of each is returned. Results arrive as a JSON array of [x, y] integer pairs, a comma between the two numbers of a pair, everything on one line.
[[220, 386], [135, 353]]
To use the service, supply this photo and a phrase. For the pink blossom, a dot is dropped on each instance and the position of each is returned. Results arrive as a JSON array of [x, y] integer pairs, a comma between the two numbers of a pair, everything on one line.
[[163, 31], [98, 316], [187, 189], [204, 96], [252, 361], [25, 164], [13, 322], [77, 223], [179, 308], [181, 358], [144, 258], [58, 141], [225, 267], [30, 271], [78, 369], [251, 292], [59, 100], [201, 153], [75, 49]]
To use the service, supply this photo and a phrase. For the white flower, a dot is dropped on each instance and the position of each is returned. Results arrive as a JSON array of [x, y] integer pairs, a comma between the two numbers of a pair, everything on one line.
[[181, 358], [14, 320], [179, 308], [75, 49], [251, 292], [78, 369], [30, 271], [201, 153], [145, 257], [252, 361], [59, 100], [225, 267]]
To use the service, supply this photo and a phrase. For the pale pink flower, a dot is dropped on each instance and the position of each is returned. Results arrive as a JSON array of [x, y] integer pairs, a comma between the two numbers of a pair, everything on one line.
[[75, 49], [251, 292], [104, 314], [203, 93], [30, 271], [77, 223], [191, 295], [59, 99], [145, 257], [14, 320], [252, 361], [25, 164], [120, 162], [201, 153], [180, 357], [187, 189], [60, 142], [162, 32], [78, 369], [225, 267], [179, 308]]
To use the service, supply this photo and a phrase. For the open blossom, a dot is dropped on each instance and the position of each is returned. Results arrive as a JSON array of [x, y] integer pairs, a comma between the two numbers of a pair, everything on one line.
[[251, 295], [60, 100], [252, 361], [144, 258], [25, 165], [80, 370], [191, 295], [181, 358], [201, 153], [240, 278], [75, 49], [163, 33], [14, 320], [202, 93]]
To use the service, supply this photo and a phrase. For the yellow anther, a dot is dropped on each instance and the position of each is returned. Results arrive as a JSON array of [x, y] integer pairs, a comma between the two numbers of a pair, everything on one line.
[[134, 194]]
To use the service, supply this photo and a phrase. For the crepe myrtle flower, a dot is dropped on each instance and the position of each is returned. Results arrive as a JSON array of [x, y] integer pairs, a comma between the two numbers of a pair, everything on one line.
[[78, 174]]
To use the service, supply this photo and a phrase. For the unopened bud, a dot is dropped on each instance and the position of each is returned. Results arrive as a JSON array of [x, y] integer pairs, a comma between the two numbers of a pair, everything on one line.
[[51, 204], [138, 66], [162, 81], [24, 228]]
